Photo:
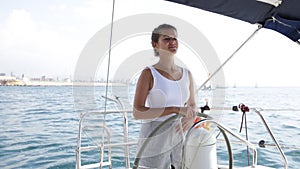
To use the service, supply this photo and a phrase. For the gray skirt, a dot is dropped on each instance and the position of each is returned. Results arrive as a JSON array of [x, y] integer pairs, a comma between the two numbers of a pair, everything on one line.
[[164, 148]]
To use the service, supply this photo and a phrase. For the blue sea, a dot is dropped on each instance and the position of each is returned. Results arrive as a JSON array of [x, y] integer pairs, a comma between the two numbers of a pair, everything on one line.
[[39, 125]]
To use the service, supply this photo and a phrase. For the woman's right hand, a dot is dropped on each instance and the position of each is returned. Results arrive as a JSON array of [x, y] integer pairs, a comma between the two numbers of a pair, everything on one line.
[[188, 112]]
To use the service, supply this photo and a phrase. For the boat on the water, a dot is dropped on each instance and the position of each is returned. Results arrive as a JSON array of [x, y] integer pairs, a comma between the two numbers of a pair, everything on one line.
[[282, 16]]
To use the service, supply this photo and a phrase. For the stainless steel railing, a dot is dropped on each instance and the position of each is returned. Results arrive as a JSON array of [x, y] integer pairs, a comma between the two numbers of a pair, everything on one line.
[[126, 143]]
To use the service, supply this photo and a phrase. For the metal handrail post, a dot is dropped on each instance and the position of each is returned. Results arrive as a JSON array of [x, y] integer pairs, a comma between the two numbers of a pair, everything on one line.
[[273, 138], [125, 128]]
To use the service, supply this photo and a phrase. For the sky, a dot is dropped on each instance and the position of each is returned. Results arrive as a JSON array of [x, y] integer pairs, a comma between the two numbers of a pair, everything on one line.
[[46, 38]]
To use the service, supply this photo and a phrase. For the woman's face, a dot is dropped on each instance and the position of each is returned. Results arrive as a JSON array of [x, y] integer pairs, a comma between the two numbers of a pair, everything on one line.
[[167, 43]]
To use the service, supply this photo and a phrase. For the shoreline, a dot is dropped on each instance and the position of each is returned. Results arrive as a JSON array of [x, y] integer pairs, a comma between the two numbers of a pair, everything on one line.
[[47, 83]]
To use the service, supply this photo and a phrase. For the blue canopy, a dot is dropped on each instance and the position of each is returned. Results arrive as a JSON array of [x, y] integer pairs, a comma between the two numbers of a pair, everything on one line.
[[280, 15]]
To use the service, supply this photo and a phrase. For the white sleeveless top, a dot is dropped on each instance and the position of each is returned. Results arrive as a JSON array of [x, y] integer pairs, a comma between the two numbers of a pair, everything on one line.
[[168, 93]]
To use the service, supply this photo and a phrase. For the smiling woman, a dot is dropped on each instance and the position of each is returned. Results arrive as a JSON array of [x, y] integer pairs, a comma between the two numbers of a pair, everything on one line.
[[163, 90]]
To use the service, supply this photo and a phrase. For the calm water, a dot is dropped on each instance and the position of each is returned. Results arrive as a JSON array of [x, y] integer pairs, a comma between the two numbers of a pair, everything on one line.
[[39, 125]]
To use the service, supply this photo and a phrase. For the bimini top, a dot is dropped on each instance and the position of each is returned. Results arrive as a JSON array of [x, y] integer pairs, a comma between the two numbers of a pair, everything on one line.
[[280, 15]]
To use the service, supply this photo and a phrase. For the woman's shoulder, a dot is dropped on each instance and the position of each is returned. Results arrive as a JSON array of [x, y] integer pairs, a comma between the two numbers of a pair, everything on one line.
[[146, 72], [146, 77], [146, 69], [187, 72], [184, 69]]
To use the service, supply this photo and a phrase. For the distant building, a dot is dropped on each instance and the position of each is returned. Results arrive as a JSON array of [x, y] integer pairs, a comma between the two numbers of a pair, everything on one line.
[[10, 81], [7, 78], [67, 80]]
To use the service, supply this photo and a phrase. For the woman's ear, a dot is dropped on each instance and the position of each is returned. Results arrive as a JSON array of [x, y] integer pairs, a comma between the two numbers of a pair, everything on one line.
[[153, 44]]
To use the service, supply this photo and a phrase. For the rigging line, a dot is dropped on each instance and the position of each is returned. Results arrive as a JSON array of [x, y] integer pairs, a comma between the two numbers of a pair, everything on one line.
[[109, 55], [274, 19], [108, 65], [256, 30], [284, 24], [266, 145], [262, 109], [244, 122], [246, 130], [256, 108]]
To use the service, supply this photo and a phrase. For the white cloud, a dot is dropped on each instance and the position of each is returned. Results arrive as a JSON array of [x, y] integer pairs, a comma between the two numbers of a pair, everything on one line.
[[35, 47], [18, 29], [49, 41]]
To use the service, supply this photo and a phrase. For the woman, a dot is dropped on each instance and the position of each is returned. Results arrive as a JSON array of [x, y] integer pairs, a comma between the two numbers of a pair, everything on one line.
[[164, 90]]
